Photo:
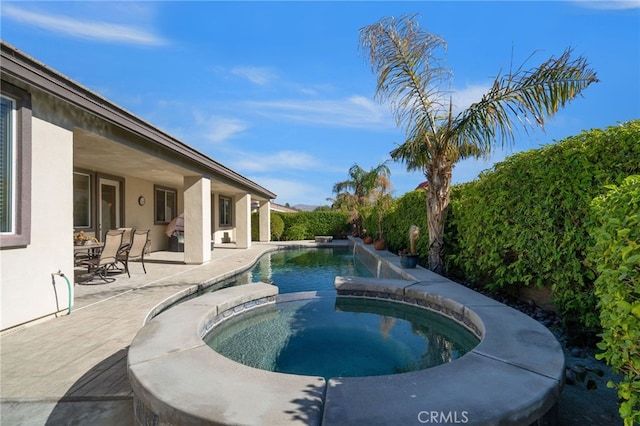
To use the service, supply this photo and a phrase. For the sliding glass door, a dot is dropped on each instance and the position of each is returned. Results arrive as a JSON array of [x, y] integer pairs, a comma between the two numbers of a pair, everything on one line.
[[109, 208]]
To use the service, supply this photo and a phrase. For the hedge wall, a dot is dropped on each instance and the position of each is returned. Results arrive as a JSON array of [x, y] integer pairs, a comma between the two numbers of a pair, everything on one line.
[[407, 210], [524, 221], [617, 255], [304, 225]]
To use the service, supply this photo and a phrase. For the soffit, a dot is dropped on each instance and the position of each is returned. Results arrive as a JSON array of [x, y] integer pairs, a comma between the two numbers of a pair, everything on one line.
[[95, 153]]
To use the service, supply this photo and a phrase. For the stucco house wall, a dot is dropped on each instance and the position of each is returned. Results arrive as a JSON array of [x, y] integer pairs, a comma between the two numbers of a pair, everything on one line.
[[73, 130], [27, 292]]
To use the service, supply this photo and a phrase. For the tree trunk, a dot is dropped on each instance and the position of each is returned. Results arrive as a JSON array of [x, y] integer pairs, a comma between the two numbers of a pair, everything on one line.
[[438, 195]]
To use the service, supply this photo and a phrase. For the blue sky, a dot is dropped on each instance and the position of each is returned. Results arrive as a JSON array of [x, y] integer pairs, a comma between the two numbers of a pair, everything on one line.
[[281, 92]]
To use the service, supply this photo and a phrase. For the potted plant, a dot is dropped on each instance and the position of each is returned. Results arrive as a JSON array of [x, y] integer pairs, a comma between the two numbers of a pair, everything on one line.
[[379, 244], [410, 259], [367, 239]]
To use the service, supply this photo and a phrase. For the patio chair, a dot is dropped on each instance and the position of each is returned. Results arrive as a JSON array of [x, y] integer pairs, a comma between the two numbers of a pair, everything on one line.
[[135, 250], [127, 236], [106, 261]]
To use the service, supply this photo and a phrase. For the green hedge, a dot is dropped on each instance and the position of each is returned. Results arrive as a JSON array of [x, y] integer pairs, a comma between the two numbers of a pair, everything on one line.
[[306, 225], [524, 221], [277, 227], [617, 255], [409, 209]]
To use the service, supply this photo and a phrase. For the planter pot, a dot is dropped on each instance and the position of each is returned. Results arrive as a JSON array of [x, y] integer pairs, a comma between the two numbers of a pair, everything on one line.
[[408, 261], [380, 245], [367, 240]]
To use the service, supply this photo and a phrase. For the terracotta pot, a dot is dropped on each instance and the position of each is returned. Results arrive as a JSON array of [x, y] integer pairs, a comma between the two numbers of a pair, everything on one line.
[[367, 240], [380, 245]]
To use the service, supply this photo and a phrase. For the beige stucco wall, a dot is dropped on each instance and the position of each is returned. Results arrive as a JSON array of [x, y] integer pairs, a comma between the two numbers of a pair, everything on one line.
[[141, 217], [27, 292], [217, 232], [197, 220]]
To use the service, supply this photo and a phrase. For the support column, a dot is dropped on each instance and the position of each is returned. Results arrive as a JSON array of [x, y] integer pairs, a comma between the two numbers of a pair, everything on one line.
[[197, 220], [264, 215], [243, 221]]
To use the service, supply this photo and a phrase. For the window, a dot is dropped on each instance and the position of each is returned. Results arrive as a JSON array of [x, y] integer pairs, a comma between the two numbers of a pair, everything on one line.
[[166, 204], [226, 217], [81, 200], [7, 165], [15, 167]]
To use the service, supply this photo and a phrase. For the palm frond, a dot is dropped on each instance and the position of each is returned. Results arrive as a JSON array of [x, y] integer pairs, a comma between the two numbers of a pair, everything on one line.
[[409, 69], [526, 97]]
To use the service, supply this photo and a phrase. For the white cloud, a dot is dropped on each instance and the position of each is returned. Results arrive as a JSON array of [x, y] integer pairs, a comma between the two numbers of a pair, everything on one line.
[[283, 160], [609, 4], [352, 112], [94, 30], [257, 75], [219, 129], [293, 191], [463, 98]]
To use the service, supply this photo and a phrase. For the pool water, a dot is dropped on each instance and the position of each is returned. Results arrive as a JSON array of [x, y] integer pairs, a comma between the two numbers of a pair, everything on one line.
[[331, 336], [295, 270], [341, 337]]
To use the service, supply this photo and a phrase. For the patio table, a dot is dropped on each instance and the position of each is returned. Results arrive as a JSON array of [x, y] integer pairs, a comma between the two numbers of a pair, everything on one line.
[[92, 250]]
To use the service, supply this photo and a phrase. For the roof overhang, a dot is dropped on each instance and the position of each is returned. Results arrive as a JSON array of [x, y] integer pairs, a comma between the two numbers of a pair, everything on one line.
[[171, 157]]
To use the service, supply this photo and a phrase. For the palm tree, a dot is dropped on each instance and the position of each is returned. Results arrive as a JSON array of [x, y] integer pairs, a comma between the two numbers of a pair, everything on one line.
[[361, 184], [410, 74]]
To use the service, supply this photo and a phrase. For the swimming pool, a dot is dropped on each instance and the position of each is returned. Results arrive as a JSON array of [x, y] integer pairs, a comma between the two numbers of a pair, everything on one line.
[[333, 337], [513, 376], [341, 337], [302, 269]]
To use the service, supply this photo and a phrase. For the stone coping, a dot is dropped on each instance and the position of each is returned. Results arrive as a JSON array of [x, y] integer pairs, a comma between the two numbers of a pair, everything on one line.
[[513, 377], [178, 379]]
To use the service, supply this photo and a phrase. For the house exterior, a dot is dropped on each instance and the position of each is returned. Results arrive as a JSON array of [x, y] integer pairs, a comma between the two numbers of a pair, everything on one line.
[[73, 161]]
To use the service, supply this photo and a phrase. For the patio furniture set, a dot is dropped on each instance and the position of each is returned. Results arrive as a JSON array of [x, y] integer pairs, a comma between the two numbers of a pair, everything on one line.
[[119, 247]]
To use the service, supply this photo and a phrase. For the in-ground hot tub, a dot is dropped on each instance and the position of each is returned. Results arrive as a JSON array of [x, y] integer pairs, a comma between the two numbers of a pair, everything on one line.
[[513, 376], [321, 335]]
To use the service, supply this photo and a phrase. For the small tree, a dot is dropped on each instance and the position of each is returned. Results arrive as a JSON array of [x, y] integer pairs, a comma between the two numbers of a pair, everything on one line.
[[382, 200], [410, 74], [354, 194]]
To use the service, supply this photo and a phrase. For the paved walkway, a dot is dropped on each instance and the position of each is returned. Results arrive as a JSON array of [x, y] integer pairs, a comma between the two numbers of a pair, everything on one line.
[[72, 369]]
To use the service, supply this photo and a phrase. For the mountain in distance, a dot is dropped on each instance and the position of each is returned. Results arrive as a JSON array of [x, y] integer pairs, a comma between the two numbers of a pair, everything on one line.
[[304, 207]]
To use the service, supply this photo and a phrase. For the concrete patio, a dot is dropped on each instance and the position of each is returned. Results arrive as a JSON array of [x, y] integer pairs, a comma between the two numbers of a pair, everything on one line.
[[72, 369]]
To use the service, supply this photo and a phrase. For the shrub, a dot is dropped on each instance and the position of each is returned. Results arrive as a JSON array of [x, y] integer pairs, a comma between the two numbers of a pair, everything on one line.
[[277, 226], [617, 254], [332, 223], [524, 221], [314, 223], [296, 232], [409, 209]]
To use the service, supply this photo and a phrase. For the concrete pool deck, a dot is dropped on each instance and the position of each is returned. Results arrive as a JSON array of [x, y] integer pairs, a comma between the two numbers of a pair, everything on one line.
[[513, 377], [73, 369]]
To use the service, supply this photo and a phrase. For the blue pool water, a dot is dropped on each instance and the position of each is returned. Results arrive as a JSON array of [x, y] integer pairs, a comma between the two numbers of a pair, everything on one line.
[[341, 337], [295, 270], [332, 336]]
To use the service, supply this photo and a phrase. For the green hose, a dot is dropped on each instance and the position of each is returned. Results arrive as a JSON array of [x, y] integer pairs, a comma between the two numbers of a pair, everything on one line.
[[68, 287], [68, 291]]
